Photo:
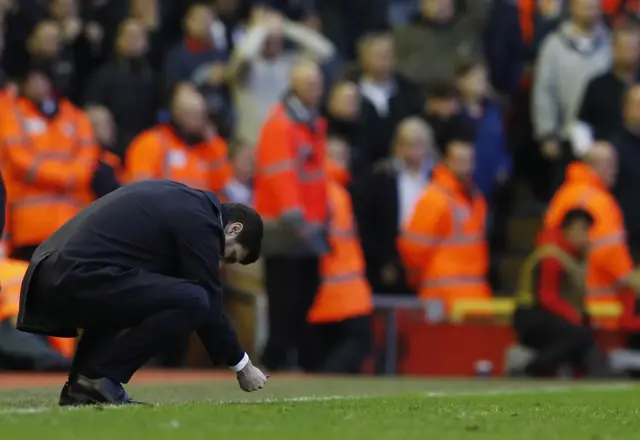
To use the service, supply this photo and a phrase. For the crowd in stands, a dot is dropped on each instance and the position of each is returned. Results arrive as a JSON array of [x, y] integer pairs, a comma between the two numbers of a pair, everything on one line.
[[415, 120]]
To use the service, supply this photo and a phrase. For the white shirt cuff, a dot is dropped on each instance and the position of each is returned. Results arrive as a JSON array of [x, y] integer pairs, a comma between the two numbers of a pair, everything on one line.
[[243, 363]]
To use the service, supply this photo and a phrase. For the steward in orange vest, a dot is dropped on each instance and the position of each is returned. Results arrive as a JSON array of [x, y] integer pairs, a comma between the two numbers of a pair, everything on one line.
[[340, 327], [443, 245], [181, 150], [610, 271], [49, 158], [19, 350], [291, 196]]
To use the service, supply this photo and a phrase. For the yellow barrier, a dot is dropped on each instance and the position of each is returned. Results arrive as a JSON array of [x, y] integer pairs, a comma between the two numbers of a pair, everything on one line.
[[502, 308]]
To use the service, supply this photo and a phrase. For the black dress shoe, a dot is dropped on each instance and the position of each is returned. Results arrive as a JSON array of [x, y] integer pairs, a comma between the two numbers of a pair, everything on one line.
[[103, 391]]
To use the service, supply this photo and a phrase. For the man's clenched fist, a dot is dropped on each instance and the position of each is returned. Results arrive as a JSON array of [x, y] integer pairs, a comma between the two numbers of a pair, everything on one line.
[[251, 378]]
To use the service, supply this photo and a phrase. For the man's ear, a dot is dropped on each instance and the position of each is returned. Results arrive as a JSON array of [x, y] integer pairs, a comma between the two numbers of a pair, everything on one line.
[[233, 229]]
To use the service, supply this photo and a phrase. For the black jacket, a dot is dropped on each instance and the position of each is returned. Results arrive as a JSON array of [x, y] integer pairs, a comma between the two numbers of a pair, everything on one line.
[[377, 209], [128, 89], [161, 227], [626, 190]]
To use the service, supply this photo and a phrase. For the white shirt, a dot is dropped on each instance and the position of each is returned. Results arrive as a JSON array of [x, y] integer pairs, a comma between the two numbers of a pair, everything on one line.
[[410, 188], [378, 95]]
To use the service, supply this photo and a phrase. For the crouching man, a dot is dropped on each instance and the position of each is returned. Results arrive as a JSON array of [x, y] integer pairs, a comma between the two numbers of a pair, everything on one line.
[[551, 317], [136, 270]]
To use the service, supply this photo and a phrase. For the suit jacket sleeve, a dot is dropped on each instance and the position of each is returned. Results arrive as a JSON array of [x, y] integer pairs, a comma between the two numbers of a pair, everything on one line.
[[199, 249]]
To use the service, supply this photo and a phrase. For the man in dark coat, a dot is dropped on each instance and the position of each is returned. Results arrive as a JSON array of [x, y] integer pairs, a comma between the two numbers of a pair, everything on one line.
[[135, 270]]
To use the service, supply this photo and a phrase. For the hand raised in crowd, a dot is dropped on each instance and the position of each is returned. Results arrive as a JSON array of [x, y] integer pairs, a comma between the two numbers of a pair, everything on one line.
[[274, 22]]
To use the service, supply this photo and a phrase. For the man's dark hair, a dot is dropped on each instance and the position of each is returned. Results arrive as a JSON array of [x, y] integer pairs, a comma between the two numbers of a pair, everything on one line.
[[576, 215], [251, 235], [459, 129]]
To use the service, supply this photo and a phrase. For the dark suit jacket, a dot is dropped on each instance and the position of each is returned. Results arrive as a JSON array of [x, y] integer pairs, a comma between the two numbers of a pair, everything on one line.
[[379, 226], [156, 226]]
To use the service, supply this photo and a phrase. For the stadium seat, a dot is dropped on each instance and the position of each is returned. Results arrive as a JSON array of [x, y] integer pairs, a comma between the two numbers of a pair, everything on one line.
[[501, 309]]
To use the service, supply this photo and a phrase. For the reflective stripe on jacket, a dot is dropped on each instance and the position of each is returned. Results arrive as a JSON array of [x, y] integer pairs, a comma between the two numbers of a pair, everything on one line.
[[290, 167], [344, 291], [443, 245], [48, 165]]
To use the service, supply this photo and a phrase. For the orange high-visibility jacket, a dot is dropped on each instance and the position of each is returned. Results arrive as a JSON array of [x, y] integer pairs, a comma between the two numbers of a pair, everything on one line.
[[290, 177], [159, 153], [444, 242], [344, 291], [11, 274], [113, 160], [609, 262], [48, 165]]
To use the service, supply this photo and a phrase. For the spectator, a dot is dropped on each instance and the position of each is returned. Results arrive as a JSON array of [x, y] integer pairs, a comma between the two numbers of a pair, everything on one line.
[[240, 189], [45, 46], [104, 126], [338, 169], [75, 44], [197, 58], [587, 186], [504, 46], [551, 317], [387, 97], [601, 107], [109, 172], [392, 194], [185, 150], [101, 22], [229, 29], [125, 85], [569, 58], [626, 141], [443, 244], [345, 22], [431, 46], [49, 162], [262, 67], [340, 338], [290, 194], [18, 25], [493, 162], [343, 111], [441, 106]]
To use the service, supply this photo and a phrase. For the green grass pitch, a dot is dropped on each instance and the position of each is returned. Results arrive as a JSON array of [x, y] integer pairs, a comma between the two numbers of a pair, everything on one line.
[[339, 408]]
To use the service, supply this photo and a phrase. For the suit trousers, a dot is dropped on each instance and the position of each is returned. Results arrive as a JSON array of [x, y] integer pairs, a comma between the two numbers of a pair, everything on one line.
[[291, 284], [126, 317]]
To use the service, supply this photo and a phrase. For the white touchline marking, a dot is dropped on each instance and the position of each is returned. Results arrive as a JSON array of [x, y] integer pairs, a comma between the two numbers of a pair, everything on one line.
[[548, 389]]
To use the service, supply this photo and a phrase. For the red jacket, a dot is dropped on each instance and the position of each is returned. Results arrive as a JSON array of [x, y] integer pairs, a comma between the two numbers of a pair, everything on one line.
[[550, 278]]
